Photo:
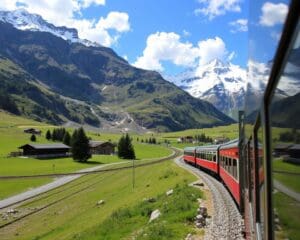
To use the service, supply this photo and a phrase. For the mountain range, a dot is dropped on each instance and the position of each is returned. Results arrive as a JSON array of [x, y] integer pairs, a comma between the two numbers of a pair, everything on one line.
[[49, 74], [218, 82]]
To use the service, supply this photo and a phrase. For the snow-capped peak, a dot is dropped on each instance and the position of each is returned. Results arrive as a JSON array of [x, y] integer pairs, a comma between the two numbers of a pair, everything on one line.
[[23, 20], [221, 83]]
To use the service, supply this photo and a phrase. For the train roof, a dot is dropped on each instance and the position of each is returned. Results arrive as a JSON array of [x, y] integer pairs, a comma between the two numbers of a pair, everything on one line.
[[189, 149], [208, 148], [230, 144]]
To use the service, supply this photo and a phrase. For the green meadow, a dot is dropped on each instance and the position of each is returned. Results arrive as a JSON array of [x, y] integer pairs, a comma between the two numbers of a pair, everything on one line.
[[12, 137], [124, 214], [288, 211], [292, 181]]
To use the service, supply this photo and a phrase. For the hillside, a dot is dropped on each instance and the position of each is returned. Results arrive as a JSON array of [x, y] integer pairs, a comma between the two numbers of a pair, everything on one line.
[[58, 81]]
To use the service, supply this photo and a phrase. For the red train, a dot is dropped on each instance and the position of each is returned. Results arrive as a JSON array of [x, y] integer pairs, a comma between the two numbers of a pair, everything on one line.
[[220, 160]]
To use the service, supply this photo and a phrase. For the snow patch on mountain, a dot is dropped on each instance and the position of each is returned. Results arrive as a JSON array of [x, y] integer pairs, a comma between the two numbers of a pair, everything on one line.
[[23, 20], [222, 84]]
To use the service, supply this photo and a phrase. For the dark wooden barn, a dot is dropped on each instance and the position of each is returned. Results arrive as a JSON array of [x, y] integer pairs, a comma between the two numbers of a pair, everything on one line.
[[33, 131], [46, 150], [282, 149], [294, 151], [99, 147]]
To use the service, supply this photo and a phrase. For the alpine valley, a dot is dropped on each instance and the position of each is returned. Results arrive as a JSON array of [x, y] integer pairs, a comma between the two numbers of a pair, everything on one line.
[[47, 73]]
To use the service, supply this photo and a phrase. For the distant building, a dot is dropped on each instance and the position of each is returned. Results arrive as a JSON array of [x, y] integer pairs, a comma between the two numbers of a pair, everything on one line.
[[294, 151], [100, 147], [221, 140], [45, 150], [185, 139], [33, 131], [282, 149]]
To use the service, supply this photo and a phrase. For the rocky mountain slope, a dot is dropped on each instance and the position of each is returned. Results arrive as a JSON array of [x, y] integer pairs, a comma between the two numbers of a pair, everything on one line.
[[222, 84], [23, 20], [91, 84]]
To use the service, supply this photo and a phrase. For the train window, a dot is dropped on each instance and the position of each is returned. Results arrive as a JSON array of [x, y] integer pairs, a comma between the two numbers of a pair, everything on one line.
[[285, 129], [229, 166], [234, 168]]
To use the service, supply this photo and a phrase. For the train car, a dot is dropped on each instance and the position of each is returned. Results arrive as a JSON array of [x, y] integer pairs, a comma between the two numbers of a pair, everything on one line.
[[229, 168], [207, 158], [189, 155]]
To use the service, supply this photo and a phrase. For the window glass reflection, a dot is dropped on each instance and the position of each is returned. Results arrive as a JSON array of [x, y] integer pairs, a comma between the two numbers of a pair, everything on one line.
[[285, 113], [261, 182], [266, 20]]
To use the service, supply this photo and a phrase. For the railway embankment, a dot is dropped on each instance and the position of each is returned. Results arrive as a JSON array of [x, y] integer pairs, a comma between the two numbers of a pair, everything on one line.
[[226, 221]]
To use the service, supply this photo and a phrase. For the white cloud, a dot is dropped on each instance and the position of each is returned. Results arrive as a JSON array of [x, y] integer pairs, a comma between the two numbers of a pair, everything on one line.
[[212, 48], [186, 33], [64, 15], [214, 8], [115, 20], [163, 46], [240, 25], [87, 3], [273, 14]]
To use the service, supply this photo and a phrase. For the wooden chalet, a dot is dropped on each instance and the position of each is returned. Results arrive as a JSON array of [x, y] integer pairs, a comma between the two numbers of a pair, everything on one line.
[[294, 151], [282, 149], [33, 131], [45, 150], [99, 147], [185, 139]]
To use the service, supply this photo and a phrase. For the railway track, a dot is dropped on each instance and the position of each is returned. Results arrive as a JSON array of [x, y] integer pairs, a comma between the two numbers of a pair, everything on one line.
[[227, 223], [84, 186]]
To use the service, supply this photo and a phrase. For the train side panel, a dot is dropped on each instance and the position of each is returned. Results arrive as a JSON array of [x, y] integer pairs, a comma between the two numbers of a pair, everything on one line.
[[210, 165], [190, 159], [232, 184]]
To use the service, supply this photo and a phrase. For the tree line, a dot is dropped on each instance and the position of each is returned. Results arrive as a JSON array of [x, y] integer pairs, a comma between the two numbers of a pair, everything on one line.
[[79, 143], [203, 138]]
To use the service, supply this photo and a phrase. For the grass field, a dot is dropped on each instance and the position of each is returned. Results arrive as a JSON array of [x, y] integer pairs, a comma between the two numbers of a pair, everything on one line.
[[291, 181], [12, 136], [78, 216], [288, 212]]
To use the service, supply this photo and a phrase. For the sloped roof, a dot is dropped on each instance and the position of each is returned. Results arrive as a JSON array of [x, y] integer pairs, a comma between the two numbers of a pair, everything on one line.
[[47, 146], [295, 147], [281, 146], [93, 144]]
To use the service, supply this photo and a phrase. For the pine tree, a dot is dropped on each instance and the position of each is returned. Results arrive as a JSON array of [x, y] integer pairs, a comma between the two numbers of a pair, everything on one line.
[[125, 148], [130, 154], [54, 134], [33, 138], [67, 138], [48, 135], [80, 146], [121, 147]]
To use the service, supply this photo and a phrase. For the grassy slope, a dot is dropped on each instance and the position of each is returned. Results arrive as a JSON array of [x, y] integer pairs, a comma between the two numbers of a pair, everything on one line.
[[288, 212], [79, 213], [291, 181]]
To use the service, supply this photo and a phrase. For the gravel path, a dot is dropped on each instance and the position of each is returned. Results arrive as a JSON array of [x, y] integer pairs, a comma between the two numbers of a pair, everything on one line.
[[226, 222], [284, 189]]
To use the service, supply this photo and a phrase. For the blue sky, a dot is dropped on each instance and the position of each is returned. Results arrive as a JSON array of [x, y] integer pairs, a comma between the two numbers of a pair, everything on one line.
[[170, 36], [150, 17]]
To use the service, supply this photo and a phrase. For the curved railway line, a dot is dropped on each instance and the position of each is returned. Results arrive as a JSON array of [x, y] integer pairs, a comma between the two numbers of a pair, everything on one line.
[[84, 185], [227, 223]]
